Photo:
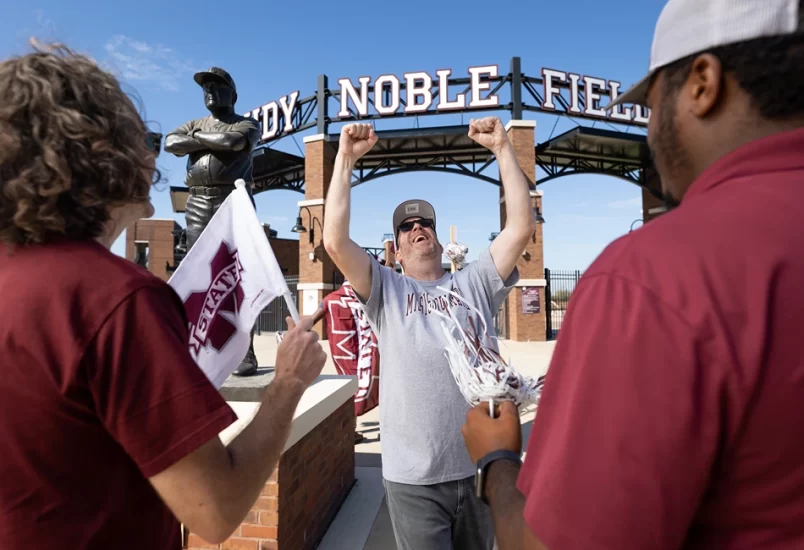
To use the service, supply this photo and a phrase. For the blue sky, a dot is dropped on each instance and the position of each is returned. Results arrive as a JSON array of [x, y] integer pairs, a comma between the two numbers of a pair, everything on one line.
[[273, 49]]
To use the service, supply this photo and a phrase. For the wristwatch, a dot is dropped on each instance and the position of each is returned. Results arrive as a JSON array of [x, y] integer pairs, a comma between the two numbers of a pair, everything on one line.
[[482, 468]]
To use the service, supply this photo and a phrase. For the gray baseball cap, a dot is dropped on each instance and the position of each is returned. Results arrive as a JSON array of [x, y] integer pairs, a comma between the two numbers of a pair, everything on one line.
[[415, 208], [688, 27]]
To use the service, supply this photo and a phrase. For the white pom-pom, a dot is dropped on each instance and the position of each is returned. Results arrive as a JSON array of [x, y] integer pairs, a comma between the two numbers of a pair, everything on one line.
[[240, 183], [480, 372]]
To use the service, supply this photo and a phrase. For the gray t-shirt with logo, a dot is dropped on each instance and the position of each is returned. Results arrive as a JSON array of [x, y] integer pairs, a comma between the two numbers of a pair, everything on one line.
[[421, 408]]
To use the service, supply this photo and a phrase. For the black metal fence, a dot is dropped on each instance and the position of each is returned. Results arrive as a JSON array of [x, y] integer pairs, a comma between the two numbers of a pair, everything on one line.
[[272, 318], [560, 286]]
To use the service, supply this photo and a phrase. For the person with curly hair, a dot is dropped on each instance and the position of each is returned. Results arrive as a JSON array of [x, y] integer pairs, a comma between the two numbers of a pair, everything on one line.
[[109, 429]]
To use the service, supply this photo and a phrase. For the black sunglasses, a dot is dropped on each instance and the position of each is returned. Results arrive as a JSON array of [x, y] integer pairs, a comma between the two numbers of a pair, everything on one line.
[[407, 226], [153, 142]]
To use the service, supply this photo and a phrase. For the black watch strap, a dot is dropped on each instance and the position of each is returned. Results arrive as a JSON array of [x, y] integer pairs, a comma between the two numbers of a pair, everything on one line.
[[483, 465]]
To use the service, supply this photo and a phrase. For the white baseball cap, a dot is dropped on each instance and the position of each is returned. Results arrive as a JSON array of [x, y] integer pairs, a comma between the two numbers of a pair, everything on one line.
[[687, 27]]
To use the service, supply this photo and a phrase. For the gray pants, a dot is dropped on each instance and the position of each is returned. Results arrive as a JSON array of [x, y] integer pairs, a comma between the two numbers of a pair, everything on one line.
[[444, 516]]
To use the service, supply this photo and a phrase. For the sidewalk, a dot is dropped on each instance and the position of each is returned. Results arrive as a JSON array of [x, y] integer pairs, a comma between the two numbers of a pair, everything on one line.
[[363, 521]]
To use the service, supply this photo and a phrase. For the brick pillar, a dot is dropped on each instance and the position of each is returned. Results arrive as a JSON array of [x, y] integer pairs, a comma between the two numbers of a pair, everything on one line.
[[527, 326], [651, 206], [315, 272], [159, 236], [389, 253]]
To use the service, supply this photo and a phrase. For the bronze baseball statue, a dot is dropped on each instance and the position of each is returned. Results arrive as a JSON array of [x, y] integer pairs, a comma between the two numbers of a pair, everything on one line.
[[218, 149]]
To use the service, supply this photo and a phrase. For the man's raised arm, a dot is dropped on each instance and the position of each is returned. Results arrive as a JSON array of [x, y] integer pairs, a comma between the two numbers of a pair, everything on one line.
[[519, 222], [356, 140]]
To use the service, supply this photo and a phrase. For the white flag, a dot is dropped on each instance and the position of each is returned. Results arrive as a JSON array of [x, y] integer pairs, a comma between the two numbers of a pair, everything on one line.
[[227, 278]]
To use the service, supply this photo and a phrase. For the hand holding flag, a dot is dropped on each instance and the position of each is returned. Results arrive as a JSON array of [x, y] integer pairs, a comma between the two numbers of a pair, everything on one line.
[[300, 356]]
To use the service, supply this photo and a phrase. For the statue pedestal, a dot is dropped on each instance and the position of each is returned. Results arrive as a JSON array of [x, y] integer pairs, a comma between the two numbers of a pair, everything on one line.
[[315, 472], [247, 388]]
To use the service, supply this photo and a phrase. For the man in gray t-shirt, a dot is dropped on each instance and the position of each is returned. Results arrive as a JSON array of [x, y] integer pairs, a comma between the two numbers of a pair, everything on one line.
[[421, 404], [427, 471]]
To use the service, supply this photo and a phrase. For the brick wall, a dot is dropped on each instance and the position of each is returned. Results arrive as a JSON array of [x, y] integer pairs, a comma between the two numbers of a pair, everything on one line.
[[287, 254], [319, 159], [531, 327], [304, 493], [527, 327], [649, 202], [159, 235]]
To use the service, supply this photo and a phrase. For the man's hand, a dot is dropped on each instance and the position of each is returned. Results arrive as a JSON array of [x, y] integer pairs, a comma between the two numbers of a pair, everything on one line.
[[483, 434], [490, 133], [300, 357], [356, 140]]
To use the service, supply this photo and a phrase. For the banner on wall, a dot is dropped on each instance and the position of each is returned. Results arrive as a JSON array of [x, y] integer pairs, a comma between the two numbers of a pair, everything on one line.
[[353, 345]]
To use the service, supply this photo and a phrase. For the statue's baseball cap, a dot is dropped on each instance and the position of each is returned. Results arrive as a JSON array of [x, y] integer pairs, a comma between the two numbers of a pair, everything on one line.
[[415, 208], [689, 27], [216, 74]]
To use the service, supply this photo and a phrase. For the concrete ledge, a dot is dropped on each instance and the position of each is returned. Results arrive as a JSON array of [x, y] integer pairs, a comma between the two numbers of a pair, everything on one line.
[[520, 124], [534, 193], [532, 282], [315, 137], [315, 286], [311, 202], [320, 400]]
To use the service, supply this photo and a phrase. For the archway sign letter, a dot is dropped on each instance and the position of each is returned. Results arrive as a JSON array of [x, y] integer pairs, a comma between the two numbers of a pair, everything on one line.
[[419, 93]]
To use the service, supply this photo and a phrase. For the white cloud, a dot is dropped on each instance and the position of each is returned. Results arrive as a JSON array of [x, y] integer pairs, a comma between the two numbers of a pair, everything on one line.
[[137, 61], [46, 25], [628, 204], [45, 30]]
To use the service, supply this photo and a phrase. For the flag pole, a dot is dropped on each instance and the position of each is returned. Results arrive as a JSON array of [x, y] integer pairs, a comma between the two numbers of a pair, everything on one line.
[[294, 313], [452, 233]]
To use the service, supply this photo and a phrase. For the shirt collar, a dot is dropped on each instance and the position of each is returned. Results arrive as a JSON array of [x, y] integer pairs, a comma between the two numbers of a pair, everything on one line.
[[775, 153]]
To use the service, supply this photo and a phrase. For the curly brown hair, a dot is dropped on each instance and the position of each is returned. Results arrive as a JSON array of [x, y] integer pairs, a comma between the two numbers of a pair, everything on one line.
[[72, 145]]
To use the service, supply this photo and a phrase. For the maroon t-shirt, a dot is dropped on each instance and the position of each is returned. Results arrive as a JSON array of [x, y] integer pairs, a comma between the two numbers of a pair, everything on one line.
[[673, 410], [98, 392]]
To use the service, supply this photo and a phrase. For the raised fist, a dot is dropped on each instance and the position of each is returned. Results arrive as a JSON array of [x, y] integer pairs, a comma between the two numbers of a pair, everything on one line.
[[357, 140], [489, 132]]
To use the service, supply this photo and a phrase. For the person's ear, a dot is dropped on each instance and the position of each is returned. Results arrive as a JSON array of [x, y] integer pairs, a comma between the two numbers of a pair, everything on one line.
[[704, 86]]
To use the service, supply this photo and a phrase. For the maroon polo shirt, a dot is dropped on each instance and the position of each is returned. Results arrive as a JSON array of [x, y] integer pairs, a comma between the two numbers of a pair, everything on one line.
[[98, 393], [673, 411]]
